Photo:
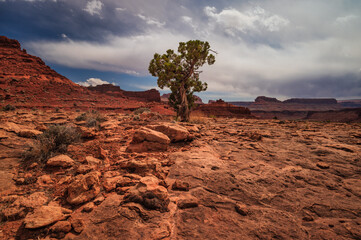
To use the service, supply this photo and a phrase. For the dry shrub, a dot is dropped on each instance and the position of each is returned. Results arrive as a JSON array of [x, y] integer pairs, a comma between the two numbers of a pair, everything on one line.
[[8, 108], [254, 136], [141, 110], [198, 117], [55, 140], [92, 118]]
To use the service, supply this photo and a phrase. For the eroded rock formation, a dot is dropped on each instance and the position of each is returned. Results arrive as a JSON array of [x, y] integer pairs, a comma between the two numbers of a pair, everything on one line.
[[223, 109], [151, 95], [26, 81]]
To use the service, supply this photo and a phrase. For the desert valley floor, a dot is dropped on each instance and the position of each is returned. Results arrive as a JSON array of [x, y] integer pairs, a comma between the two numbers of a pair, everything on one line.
[[235, 179]]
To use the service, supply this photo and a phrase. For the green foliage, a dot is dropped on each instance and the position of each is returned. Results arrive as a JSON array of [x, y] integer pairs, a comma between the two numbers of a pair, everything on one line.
[[55, 140], [179, 72], [8, 108], [92, 118]]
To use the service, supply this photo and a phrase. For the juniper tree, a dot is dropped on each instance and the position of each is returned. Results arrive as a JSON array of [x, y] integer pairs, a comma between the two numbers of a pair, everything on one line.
[[179, 72]]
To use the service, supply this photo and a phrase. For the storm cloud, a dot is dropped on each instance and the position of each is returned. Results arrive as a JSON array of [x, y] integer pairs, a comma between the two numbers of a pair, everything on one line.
[[278, 48]]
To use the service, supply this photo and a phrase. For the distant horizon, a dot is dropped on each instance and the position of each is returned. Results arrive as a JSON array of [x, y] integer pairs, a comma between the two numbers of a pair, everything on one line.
[[306, 49]]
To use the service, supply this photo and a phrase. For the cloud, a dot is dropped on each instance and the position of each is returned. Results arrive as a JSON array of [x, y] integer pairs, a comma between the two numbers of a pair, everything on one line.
[[130, 55], [345, 19], [151, 21], [257, 19], [35, 0], [93, 7], [93, 82], [263, 48]]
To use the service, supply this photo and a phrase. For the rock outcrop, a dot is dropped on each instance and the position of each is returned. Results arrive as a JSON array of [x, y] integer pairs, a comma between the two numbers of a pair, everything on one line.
[[263, 99], [151, 95], [45, 216], [146, 139], [223, 109], [238, 179], [175, 132], [83, 188], [26, 81], [311, 101]]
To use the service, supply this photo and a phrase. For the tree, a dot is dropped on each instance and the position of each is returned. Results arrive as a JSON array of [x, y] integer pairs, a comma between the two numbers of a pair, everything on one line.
[[179, 72]]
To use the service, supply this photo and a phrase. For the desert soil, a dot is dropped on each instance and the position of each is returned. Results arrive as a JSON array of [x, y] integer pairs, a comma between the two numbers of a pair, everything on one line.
[[237, 179]]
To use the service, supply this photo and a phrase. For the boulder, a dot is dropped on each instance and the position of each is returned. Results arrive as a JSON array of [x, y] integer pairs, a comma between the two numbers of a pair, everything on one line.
[[44, 216], [61, 226], [149, 193], [146, 134], [110, 184], [92, 160], [13, 213], [60, 161], [34, 200], [241, 209], [175, 132], [88, 207], [187, 201], [44, 180], [28, 133], [83, 188], [77, 224], [180, 186], [146, 139], [141, 166], [11, 127]]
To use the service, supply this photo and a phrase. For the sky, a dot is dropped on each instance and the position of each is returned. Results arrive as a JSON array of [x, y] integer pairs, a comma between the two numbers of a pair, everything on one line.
[[275, 48]]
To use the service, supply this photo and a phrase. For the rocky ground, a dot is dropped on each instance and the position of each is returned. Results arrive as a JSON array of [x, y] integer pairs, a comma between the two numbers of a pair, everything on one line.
[[144, 177]]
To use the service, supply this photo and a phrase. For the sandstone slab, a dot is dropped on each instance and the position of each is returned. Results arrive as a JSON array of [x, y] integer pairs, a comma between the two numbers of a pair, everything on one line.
[[175, 132], [63, 161], [45, 216], [146, 139], [83, 188]]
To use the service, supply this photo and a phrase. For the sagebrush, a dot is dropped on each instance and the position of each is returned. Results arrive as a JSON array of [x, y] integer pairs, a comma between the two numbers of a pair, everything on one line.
[[92, 118], [55, 140]]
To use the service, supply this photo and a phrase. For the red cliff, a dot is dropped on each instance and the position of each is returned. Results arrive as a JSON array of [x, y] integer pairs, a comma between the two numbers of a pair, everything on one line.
[[26, 81], [220, 108]]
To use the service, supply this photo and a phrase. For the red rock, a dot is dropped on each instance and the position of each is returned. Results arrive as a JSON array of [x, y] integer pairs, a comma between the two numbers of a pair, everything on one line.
[[45, 216], [180, 186], [222, 109], [175, 132], [77, 224], [61, 226], [187, 201], [30, 82], [241, 209], [44, 180], [92, 160], [28, 133], [149, 193], [146, 139], [119, 181], [88, 207], [13, 213], [60, 161], [112, 90], [323, 165], [34, 200], [83, 188]]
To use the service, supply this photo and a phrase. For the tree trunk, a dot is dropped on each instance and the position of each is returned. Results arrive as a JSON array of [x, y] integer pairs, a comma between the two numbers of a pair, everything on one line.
[[184, 109]]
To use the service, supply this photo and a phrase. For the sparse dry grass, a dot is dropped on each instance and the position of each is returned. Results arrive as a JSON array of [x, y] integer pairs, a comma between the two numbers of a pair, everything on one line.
[[198, 117]]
